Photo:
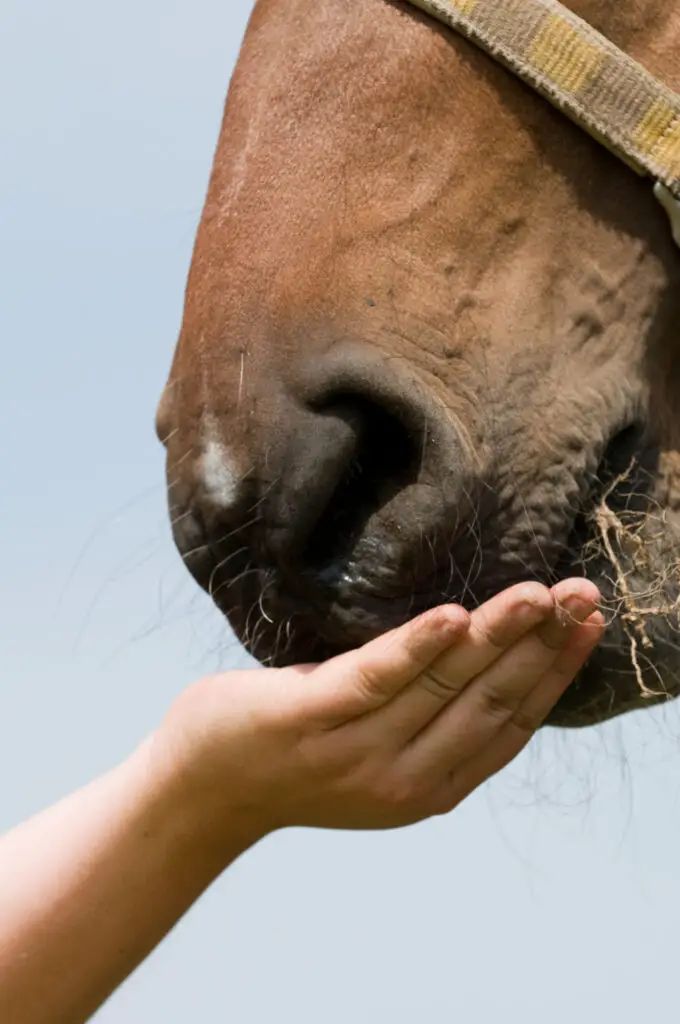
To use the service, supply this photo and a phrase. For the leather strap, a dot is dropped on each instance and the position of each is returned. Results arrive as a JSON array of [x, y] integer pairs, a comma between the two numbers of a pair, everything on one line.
[[581, 73]]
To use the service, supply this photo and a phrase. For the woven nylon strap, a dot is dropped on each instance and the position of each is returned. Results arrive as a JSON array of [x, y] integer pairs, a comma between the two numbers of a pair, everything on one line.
[[581, 72]]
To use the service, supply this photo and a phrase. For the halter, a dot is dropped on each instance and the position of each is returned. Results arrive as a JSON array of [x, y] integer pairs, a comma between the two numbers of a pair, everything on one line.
[[584, 75]]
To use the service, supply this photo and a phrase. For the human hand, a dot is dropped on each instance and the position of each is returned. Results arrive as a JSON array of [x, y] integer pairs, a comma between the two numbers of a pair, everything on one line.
[[392, 733]]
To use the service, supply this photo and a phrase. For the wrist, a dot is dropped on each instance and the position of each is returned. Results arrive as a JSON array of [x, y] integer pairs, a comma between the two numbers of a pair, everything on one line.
[[202, 824]]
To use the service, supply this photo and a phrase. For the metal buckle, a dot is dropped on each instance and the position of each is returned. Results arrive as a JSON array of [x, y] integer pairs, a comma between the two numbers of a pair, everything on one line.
[[672, 207]]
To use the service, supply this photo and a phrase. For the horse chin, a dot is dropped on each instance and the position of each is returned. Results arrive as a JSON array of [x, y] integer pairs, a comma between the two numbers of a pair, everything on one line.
[[636, 665], [628, 543], [624, 536], [618, 540]]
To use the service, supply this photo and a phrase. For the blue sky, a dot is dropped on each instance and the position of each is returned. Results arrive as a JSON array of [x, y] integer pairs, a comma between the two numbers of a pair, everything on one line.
[[554, 893]]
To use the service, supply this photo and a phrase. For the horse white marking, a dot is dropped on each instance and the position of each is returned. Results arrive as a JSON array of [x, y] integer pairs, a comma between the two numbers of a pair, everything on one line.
[[221, 478]]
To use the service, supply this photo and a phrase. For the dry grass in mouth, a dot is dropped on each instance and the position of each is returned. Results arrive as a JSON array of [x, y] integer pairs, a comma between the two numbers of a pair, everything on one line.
[[628, 541]]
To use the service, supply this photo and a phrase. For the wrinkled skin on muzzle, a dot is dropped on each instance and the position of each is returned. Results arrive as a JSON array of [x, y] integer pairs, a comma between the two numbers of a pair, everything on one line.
[[430, 348]]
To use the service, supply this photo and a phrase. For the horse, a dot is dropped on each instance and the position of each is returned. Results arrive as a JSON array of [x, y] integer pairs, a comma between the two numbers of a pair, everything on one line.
[[429, 347]]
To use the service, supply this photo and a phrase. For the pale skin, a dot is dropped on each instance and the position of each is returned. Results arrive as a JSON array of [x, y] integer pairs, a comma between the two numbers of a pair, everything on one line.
[[388, 735]]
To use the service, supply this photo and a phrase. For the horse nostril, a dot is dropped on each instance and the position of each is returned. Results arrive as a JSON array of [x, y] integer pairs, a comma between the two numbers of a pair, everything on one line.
[[384, 459], [348, 455], [369, 476]]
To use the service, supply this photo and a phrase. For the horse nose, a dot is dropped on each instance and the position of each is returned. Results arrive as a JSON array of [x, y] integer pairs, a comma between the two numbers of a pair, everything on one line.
[[368, 465]]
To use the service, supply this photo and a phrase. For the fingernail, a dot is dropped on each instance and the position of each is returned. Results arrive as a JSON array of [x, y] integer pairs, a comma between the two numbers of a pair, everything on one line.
[[530, 613], [576, 609]]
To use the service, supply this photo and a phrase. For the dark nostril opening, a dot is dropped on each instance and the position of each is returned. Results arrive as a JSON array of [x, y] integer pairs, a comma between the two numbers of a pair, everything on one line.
[[622, 475], [386, 459], [621, 453], [625, 469]]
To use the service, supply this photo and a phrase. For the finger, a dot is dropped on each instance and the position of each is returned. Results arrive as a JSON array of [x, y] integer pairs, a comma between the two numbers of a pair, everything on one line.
[[495, 627], [538, 704], [512, 739], [494, 698], [360, 681], [572, 598]]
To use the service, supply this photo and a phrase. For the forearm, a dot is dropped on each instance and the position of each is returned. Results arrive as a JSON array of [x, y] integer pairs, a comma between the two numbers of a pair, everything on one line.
[[381, 737], [89, 887]]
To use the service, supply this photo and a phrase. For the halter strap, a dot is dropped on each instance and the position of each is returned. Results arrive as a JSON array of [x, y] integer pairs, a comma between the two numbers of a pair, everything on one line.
[[584, 75]]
